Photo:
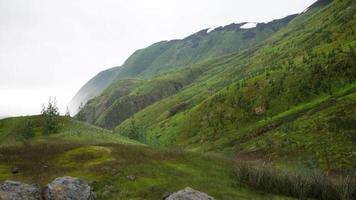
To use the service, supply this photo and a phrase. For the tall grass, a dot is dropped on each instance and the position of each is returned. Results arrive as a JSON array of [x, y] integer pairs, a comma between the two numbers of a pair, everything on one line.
[[306, 185]]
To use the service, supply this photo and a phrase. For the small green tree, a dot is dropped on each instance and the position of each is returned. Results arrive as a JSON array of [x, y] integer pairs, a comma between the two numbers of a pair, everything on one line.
[[50, 116]]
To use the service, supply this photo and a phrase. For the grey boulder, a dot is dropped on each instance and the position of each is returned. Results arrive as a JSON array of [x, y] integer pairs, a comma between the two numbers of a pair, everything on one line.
[[68, 188], [189, 194], [12, 190]]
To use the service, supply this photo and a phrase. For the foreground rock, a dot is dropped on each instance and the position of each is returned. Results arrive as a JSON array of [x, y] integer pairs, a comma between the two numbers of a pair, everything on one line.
[[12, 190], [68, 188], [189, 194]]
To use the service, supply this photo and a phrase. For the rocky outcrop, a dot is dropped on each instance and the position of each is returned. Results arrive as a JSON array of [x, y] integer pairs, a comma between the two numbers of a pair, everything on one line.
[[12, 190], [63, 188], [68, 188], [189, 194]]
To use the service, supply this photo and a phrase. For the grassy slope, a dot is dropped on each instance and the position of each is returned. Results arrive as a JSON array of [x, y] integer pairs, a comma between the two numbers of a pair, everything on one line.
[[166, 56], [92, 88], [281, 77], [96, 106], [70, 131], [92, 153], [108, 164], [144, 94]]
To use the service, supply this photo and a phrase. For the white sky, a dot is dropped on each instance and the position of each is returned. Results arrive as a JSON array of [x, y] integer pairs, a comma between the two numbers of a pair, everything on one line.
[[52, 47]]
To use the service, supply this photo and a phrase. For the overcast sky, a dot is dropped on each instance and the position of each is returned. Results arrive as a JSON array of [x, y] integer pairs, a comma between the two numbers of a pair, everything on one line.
[[51, 48]]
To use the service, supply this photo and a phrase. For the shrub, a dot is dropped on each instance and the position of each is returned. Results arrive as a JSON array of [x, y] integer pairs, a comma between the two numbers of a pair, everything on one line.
[[301, 185]]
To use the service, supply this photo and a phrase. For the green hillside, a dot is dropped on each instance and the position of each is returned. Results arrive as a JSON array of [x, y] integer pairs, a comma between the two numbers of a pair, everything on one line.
[[276, 99], [261, 113], [167, 55], [155, 172], [279, 100], [147, 63], [92, 88], [104, 159], [70, 130]]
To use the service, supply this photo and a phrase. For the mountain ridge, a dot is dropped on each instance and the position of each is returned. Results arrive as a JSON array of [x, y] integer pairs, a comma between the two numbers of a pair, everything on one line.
[[143, 63]]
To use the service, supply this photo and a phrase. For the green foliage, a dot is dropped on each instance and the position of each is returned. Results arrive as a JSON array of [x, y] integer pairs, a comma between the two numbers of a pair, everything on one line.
[[156, 171], [134, 132], [70, 130], [158, 64], [272, 98], [26, 131], [300, 185], [93, 88], [50, 117]]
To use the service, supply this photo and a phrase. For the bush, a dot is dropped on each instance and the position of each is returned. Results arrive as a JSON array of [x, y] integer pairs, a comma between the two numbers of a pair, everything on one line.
[[308, 185]]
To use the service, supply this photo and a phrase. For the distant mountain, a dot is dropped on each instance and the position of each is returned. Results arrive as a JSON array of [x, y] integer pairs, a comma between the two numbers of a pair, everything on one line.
[[92, 88]]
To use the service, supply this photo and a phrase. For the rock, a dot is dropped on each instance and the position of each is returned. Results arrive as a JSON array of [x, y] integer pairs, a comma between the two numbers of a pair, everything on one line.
[[12, 190], [131, 177], [15, 170], [68, 188], [166, 195], [189, 194]]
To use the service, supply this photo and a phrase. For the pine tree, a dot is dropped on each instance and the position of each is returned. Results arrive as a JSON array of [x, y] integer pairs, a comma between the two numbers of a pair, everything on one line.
[[50, 116]]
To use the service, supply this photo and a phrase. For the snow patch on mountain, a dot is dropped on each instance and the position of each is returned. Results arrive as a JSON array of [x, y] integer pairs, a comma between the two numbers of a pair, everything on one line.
[[249, 25]]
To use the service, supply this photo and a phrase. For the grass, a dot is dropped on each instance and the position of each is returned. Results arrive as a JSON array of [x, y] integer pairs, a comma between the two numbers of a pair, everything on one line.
[[288, 74], [302, 185], [70, 130], [156, 171], [329, 144]]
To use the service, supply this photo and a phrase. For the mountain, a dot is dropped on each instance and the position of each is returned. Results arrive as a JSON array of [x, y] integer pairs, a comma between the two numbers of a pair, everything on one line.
[[261, 113], [204, 44], [143, 67], [286, 95], [286, 100], [92, 88]]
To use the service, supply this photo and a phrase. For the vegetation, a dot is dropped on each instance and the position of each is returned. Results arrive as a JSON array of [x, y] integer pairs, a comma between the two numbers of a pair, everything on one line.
[[15, 130], [108, 165], [274, 102], [302, 185], [282, 93], [286, 98], [50, 116], [160, 59], [26, 131]]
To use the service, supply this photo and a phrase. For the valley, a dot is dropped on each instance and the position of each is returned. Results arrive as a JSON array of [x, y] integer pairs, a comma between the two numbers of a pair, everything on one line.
[[264, 112]]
